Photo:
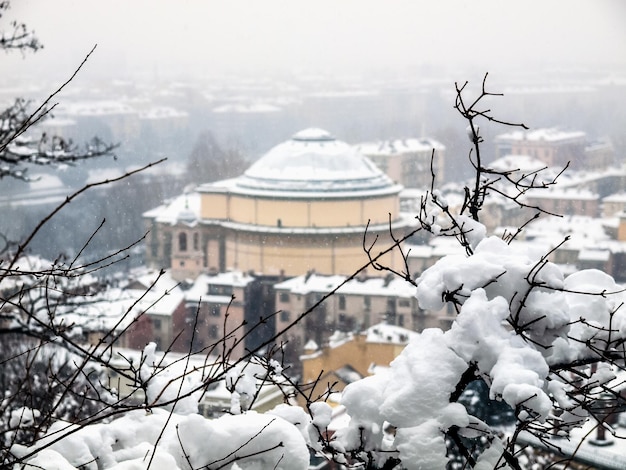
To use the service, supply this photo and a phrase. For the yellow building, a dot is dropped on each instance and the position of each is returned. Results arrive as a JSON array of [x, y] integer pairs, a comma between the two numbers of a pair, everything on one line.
[[349, 357], [304, 205]]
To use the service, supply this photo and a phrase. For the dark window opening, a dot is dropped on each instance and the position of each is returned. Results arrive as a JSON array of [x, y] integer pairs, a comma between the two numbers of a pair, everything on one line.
[[182, 241], [196, 241], [214, 331]]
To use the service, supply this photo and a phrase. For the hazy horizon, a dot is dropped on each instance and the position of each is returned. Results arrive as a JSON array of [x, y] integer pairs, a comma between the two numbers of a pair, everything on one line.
[[162, 38]]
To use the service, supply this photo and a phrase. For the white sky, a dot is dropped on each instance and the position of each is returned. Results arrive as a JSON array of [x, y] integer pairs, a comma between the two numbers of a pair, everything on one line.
[[189, 36]]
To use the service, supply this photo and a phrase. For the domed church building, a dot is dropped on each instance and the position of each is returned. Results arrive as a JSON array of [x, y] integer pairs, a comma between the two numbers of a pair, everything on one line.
[[303, 206]]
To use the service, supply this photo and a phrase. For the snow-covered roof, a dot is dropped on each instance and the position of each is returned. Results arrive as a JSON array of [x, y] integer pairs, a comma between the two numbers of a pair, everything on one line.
[[162, 112], [523, 163], [551, 134], [399, 146], [247, 108], [183, 208], [310, 283], [311, 163], [594, 254], [199, 290], [97, 108], [45, 181], [58, 122], [102, 174], [374, 286], [385, 333], [617, 197], [118, 306], [584, 231], [565, 193]]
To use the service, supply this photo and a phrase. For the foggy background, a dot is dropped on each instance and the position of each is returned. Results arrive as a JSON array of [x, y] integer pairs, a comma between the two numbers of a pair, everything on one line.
[[183, 39]]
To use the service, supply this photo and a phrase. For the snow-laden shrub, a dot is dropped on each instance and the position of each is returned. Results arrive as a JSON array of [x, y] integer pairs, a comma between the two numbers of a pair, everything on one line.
[[521, 327]]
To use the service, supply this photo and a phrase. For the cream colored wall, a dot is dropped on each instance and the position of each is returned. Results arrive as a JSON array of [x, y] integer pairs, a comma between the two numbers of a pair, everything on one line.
[[243, 209], [621, 230], [357, 353], [214, 206], [318, 213], [292, 213], [612, 208], [377, 209], [213, 254], [299, 213], [293, 256], [332, 213], [275, 254]]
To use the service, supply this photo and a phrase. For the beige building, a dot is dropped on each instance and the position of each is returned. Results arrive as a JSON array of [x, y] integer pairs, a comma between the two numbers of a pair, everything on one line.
[[349, 357], [408, 161], [304, 205], [571, 201], [614, 205], [215, 306], [555, 147], [355, 306]]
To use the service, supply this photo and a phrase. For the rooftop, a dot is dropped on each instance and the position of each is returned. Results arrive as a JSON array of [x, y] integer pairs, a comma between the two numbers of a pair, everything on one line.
[[374, 286], [311, 163], [399, 146], [551, 134]]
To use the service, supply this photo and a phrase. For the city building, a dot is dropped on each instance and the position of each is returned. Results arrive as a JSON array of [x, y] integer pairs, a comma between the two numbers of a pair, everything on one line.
[[306, 204], [349, 357], [357, 304], [614, 205], [571, 201], [408, 161], [557, 148], [213, 321]]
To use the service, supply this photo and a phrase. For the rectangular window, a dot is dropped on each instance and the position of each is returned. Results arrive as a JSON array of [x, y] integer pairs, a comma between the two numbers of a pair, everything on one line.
[[284, 297], [342, 302], [220, 290], [215, 310], [404, 303], [367, 302], [214, 331], [156, 323], [285, 316]]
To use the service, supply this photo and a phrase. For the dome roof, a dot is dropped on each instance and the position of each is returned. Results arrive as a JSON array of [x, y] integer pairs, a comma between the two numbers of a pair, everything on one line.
[[314, 161]]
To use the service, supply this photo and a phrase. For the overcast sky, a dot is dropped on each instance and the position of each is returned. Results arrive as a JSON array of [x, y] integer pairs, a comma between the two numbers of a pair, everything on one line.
[[190, 37]]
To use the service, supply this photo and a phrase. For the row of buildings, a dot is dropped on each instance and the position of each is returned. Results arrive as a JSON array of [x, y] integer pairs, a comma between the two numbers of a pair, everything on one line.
[[247, 257]]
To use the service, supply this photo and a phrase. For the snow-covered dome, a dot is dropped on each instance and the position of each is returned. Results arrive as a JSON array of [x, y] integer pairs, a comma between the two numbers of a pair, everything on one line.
[[311, 161]]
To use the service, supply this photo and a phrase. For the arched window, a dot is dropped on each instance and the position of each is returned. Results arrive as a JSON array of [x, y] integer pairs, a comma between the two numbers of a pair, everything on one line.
[[196, 241], [182, 241]]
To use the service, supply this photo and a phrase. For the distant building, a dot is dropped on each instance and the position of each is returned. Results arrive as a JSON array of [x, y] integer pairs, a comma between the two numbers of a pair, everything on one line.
[[573, 201], [304, 205], [215, 401], [349, 357], [556, 148], [614, 205], [213, 320], [408, 161], [357, 305]]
